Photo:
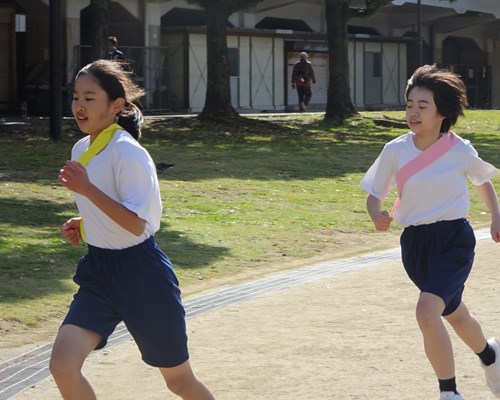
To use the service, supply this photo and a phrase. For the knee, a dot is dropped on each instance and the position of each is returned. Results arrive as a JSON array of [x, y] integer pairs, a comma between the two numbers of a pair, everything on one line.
[[60, 369], [179, 385], [460, 321], [426, 316], [57, 368]]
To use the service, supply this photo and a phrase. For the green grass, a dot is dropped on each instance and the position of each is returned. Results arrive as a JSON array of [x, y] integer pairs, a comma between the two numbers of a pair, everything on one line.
[[241, 200]]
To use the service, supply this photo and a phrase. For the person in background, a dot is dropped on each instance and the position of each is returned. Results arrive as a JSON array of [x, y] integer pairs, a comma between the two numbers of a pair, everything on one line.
[[303, 79], [113, 52]]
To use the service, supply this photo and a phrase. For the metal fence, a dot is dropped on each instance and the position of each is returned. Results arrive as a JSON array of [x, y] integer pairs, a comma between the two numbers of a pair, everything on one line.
[[148, 65], [477, 79]]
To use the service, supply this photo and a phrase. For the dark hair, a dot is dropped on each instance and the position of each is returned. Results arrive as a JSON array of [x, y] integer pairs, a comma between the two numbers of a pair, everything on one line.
[[113, 40], [450, 94], [117, 82]]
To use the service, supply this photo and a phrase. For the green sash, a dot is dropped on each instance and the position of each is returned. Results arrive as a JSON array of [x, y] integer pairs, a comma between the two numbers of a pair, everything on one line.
[[98, 145]]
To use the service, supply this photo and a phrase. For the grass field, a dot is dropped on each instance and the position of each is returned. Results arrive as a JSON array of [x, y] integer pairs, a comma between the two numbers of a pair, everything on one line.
[[241, 201]]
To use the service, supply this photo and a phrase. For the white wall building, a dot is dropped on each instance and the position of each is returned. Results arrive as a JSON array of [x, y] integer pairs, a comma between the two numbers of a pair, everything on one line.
[[166, 41]]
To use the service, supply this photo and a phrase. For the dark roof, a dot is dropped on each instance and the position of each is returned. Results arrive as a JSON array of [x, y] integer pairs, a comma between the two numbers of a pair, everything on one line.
[[283, 23], [36, 7], [364, 30], [185, 17]]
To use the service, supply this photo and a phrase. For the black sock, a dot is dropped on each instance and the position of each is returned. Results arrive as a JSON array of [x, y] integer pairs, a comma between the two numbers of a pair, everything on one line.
[[448, 385], [487, 356]]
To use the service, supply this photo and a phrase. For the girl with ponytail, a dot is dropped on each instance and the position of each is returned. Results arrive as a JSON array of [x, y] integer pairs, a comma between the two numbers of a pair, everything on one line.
[[124, 276]]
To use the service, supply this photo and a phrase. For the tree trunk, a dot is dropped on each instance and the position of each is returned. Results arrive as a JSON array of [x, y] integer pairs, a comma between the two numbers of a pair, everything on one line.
[[339, 105], [100, 28], [218, 97]]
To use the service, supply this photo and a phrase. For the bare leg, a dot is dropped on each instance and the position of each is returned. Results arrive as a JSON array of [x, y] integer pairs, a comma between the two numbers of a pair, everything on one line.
[[437, 342], [182, 382], [71, 347], [467, 328]]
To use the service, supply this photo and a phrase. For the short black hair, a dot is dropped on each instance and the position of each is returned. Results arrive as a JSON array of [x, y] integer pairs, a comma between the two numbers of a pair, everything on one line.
[[450, 93], [113, 40]]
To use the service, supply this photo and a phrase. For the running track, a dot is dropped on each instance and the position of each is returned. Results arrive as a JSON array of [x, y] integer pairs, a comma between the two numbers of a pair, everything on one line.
[[26, 370]]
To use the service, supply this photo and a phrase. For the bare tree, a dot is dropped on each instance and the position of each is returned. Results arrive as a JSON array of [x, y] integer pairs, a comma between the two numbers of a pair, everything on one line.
[[218, 97], [338, 12]]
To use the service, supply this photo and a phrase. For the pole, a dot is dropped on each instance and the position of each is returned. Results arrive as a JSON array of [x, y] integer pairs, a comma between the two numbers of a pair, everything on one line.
[[55, 80], [419, 34]]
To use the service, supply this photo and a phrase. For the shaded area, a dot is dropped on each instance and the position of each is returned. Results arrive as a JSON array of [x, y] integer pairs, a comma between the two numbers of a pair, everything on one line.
[[205, 150], [33, 267], [259, 149], [183, 17], [248, 148], [279, 149], [273, 23]]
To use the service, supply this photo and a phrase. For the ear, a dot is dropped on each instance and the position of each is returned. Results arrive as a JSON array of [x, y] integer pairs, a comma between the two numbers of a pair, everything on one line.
[[118, 104]]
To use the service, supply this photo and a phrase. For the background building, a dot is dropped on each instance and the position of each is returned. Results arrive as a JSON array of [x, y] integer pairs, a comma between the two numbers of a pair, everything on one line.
[[166, 43]]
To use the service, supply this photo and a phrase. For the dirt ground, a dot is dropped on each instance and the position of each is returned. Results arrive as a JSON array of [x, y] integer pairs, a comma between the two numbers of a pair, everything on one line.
[[348, 336]]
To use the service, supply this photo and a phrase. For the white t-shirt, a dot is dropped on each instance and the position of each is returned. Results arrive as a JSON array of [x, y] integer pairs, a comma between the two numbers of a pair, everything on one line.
[[124, 171], [436, 193]]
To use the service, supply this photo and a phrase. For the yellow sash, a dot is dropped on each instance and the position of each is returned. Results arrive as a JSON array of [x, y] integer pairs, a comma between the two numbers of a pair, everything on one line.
[[98, 145]]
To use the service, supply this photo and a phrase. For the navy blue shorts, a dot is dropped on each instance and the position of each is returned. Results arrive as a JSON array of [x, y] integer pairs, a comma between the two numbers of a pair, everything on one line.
[[138, 286], [438, 258]]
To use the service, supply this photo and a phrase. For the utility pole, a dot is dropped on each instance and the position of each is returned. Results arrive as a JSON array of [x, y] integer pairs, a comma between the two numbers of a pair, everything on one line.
[[55, 80], [419, 34]]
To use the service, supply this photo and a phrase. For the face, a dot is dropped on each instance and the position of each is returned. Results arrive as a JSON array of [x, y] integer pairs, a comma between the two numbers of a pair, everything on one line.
[[91, 107], [422, 115]]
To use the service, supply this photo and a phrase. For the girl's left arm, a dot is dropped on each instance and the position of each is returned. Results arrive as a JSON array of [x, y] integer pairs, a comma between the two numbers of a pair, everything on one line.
[[74, 177], [489, 196]]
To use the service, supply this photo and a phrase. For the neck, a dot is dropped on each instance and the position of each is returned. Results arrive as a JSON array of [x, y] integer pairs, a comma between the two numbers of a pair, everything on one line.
[[424, 142], [93, 136]]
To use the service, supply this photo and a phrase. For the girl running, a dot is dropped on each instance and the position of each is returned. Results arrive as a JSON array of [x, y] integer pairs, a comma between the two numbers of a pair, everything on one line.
[[124, 276], [430, 166]]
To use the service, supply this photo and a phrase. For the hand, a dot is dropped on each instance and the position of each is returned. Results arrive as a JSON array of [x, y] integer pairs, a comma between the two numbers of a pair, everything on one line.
[[74, 177], [293, 85], [71, 231], [381, 220]]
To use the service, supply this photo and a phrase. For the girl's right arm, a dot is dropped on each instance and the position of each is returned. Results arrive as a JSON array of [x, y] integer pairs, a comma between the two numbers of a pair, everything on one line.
[[381, 219], [74, 177]]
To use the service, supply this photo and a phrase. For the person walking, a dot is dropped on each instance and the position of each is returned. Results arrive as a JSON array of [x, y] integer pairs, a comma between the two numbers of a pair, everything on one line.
[[113, 52], [124, 276], [303, 80], [430, 167]]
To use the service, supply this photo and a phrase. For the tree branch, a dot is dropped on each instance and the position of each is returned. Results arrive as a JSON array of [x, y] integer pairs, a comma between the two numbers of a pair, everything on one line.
[[370, 8]]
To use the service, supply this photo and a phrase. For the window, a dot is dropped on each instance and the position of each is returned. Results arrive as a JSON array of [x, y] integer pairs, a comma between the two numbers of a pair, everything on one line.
[[377, 65], [233, 60]]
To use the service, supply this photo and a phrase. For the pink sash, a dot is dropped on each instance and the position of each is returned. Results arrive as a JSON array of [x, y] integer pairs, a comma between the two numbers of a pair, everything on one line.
[[423, 160]]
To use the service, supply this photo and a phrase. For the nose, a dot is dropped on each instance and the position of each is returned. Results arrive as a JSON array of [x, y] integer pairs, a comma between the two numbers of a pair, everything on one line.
[[412, 111], [77, 105]]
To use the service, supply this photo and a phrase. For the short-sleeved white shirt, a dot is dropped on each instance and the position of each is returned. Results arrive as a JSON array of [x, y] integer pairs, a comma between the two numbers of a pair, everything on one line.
[[436, 193], [124, 171]]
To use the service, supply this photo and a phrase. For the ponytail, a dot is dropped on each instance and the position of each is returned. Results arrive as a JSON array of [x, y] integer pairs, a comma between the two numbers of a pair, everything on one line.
[[131, 119]]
